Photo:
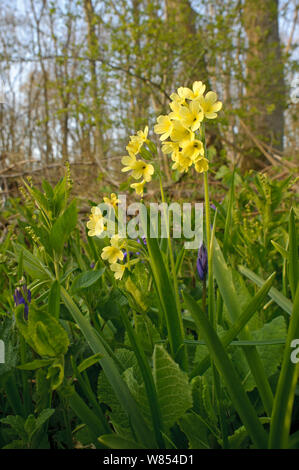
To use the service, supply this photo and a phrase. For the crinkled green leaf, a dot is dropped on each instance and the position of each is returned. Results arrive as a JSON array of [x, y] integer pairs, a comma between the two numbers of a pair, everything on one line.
[[172, 385], [271, 355]]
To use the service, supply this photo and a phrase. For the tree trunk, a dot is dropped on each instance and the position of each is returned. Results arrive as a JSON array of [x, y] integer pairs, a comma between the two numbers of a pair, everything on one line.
[[93, 52], [265, 87]]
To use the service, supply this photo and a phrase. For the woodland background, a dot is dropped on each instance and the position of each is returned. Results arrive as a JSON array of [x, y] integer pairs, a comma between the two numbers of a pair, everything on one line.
[[79, 77]]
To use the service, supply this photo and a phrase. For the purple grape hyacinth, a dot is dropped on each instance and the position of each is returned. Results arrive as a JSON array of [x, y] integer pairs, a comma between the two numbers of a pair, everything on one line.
[[202, 262], [22, 295]]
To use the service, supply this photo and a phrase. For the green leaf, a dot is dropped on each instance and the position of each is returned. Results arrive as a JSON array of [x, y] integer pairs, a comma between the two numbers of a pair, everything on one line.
[[148, 380], [86, 415], [63, 227], [196, 431], [42, 332], [227, 372], [118, 416], [43, 417], [17, 423], [277, 296], [87, 279], [56, 373], [29, 426], [293, 255], [36, 364], [270, 356], [285, 391], [32, 265], [167, 298], [227, 289], [280, 249], [113, 441], [88, 362], [110, 368], [172, 385], [54, 300]]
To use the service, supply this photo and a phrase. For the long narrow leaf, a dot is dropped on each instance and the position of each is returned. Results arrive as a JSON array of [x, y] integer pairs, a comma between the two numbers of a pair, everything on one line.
[[235, 329], [229, 375], [285, 392], [293, 255], [111, 371], [167, 299], [277, 296], [226, 286], [148, 381]]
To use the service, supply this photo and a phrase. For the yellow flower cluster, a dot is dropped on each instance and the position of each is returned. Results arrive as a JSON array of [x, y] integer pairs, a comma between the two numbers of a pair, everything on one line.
[[113, 253], [188, 109], [96, 221], [113, 200], [138, 168]]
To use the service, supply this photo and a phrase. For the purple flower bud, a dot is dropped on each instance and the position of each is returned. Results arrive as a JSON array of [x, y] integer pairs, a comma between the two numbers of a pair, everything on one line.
[[92, 265], [212, 206], [22, 295], [202, 262]]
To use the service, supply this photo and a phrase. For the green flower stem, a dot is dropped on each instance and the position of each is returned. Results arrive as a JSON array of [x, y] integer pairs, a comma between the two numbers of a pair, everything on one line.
[[172, 263], [167, 298]]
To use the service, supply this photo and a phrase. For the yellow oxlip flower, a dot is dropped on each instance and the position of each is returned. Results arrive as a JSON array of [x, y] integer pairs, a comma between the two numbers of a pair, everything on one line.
[[198, 89], [181, 162], [113, 252], [139, 168], [184, 92], [176, 107], [191, 116], [169, 147], [129, 161], [202, 165], [209, 104], [136, 141], [133, 146], [95, 223], [193, 149], [142, 135], [118, 270], [143, 170], [177, 99], [163, 127], [139, 187], [180, 133], [113, 201]]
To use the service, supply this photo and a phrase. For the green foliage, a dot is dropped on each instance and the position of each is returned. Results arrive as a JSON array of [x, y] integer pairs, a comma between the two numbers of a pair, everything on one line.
[[137, 363], [26, 430]]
